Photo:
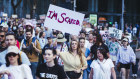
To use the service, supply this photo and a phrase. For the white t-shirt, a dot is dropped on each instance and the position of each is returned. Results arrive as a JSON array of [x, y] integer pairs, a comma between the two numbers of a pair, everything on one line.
[[18, 72], [102, 71]]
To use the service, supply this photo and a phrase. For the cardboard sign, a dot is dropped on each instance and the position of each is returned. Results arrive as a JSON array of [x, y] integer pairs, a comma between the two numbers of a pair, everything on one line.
[[104, 34], [5, 15], [42, 16], [64, 20], [93, 19], [14, 16], [115, 33], [28, 16]]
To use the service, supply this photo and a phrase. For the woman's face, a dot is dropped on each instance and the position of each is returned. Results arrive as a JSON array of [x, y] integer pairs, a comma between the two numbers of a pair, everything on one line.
[[125, 43], [13, 58], [48, 56], [82, 43], [99, 55], [74, 45], [43, 34]]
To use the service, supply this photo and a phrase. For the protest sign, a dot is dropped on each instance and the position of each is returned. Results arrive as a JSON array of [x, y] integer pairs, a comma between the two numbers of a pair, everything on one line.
[[64, 20], [115, 33], [42, 16], [14, 16], [104, 34], [93, 19], [28, 16], [5, 15]]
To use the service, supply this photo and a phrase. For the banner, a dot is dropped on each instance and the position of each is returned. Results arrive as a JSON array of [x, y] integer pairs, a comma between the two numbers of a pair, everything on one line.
[[93, 19], [14, 16], [104, 34], [64, 20]]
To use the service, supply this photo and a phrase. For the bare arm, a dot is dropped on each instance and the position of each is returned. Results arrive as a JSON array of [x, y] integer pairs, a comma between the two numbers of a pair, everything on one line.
[[113, 73], [91, 74], [90, 56]]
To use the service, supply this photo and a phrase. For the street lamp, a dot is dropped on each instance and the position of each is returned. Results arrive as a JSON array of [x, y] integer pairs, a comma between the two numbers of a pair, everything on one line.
[[122, 22], [74, 6]]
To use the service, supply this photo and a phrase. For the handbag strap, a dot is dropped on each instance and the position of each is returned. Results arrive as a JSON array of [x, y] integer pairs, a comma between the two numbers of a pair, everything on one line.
[[101, 67]]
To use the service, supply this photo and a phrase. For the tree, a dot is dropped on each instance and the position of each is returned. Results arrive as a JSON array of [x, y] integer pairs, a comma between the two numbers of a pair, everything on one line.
[[15, 6]]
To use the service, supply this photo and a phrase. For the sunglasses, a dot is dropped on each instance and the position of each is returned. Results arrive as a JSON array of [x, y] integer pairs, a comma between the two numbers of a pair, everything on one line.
[[11, 54], [124, 41], [2, 35]]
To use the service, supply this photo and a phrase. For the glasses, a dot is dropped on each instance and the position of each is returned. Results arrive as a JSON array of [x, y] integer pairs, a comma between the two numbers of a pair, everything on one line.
[[11, 54], [2, 35]]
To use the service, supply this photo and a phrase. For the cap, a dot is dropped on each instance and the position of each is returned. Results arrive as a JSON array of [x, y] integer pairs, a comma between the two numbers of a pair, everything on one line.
[[13, 49], [125, 39]]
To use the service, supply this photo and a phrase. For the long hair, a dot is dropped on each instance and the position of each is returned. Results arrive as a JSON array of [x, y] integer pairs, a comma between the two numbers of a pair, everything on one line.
[[8, 62], [79, 51], [99, 39], [53, 52], [40, 34]]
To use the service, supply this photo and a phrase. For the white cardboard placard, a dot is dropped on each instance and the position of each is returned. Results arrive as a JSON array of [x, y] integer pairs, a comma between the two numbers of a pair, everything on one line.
[[64, 20]]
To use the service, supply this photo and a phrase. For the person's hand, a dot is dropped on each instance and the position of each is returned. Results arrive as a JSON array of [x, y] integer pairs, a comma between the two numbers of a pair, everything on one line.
[[55, 43], [137, 50], [23, 46], [5, 72], [77, 71], [33, 45]]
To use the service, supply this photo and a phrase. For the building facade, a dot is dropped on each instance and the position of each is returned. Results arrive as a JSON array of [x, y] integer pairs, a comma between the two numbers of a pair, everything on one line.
[[110, 9]]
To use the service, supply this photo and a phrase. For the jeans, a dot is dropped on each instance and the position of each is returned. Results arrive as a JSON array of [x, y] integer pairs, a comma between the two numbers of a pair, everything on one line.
[[85, 74], [135, 67], [33, 68]]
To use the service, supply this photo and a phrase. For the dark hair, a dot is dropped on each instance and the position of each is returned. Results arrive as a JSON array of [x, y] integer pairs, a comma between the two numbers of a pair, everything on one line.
[[40, 34], [99, 39], [29, 30], [103, 52], [53, 51], [81, 38], [8, 63], [11, 33], [84, 32]]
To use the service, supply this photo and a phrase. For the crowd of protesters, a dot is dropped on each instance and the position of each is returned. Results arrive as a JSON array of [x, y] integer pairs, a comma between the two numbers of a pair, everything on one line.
[[33, 51]]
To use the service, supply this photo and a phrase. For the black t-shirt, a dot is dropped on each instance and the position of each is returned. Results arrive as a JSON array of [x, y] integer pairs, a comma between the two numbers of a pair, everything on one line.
[[55, 72], [94, 48]]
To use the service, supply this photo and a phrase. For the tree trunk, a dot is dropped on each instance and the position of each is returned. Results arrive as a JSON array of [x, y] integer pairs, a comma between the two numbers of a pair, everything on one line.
[[15, 6]]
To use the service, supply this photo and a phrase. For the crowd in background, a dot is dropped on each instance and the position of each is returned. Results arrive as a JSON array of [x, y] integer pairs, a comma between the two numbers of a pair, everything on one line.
[[30, 50]]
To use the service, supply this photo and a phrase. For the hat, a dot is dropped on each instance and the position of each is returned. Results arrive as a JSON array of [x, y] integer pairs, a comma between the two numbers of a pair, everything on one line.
[[125, 39], [13, 49], [61, 38], [28, 23]]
